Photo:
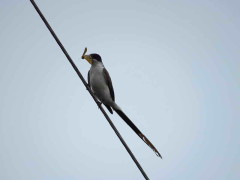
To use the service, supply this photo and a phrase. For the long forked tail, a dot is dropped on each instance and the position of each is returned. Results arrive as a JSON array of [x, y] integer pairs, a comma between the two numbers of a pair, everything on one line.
[[136, 130]]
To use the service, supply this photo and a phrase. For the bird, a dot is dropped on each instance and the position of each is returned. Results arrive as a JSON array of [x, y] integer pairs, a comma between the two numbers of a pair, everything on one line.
[[100, 83]]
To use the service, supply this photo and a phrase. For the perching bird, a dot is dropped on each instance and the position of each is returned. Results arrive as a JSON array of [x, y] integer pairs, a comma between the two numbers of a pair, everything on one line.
[[101, 85]]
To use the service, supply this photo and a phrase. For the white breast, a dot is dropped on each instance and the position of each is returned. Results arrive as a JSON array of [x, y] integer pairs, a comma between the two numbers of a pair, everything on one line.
[[98, 84]]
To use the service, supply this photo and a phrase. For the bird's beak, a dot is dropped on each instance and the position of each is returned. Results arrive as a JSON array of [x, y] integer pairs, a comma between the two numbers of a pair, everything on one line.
[[88, 58]]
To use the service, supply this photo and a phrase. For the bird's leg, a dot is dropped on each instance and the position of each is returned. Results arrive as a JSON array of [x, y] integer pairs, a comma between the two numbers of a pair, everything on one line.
[[99, 103], [88, 86]]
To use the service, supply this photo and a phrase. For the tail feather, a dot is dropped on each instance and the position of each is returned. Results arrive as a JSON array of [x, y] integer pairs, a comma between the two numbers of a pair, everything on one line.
[[136, 130]]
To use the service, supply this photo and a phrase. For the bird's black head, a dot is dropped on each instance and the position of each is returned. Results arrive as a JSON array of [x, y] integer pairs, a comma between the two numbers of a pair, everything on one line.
[[96, 57]]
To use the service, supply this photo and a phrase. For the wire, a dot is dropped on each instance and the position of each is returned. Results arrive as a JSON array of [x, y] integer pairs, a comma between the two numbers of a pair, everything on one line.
[[89, 90]]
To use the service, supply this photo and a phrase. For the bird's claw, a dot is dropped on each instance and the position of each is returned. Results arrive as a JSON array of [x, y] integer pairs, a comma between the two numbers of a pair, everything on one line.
[[88, 87], [99, 104]]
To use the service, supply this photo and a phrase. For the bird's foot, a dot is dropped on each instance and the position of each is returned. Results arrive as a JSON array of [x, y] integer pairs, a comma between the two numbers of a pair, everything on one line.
[[99, 104], [88, 87]]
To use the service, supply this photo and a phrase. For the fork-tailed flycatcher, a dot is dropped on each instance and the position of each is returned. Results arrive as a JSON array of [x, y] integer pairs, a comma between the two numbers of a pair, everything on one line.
[[101, 85]]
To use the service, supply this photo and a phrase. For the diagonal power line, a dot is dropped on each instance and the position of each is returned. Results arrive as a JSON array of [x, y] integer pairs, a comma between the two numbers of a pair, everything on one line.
[[89, 90]]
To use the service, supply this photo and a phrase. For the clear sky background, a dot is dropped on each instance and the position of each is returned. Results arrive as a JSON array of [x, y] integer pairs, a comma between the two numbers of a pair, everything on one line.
[[175, 70]]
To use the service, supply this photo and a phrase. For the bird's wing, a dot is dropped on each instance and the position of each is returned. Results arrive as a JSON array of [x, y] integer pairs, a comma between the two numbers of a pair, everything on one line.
[[109, 83]]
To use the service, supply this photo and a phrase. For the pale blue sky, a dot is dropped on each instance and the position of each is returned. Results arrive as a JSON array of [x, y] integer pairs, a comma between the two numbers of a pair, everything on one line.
[[175, 70]]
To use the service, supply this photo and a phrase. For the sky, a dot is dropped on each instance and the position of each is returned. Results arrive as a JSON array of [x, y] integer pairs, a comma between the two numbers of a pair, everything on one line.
[[175, 71]]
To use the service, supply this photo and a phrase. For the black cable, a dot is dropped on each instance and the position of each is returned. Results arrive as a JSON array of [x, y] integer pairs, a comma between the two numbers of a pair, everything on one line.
[[89, 90]]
